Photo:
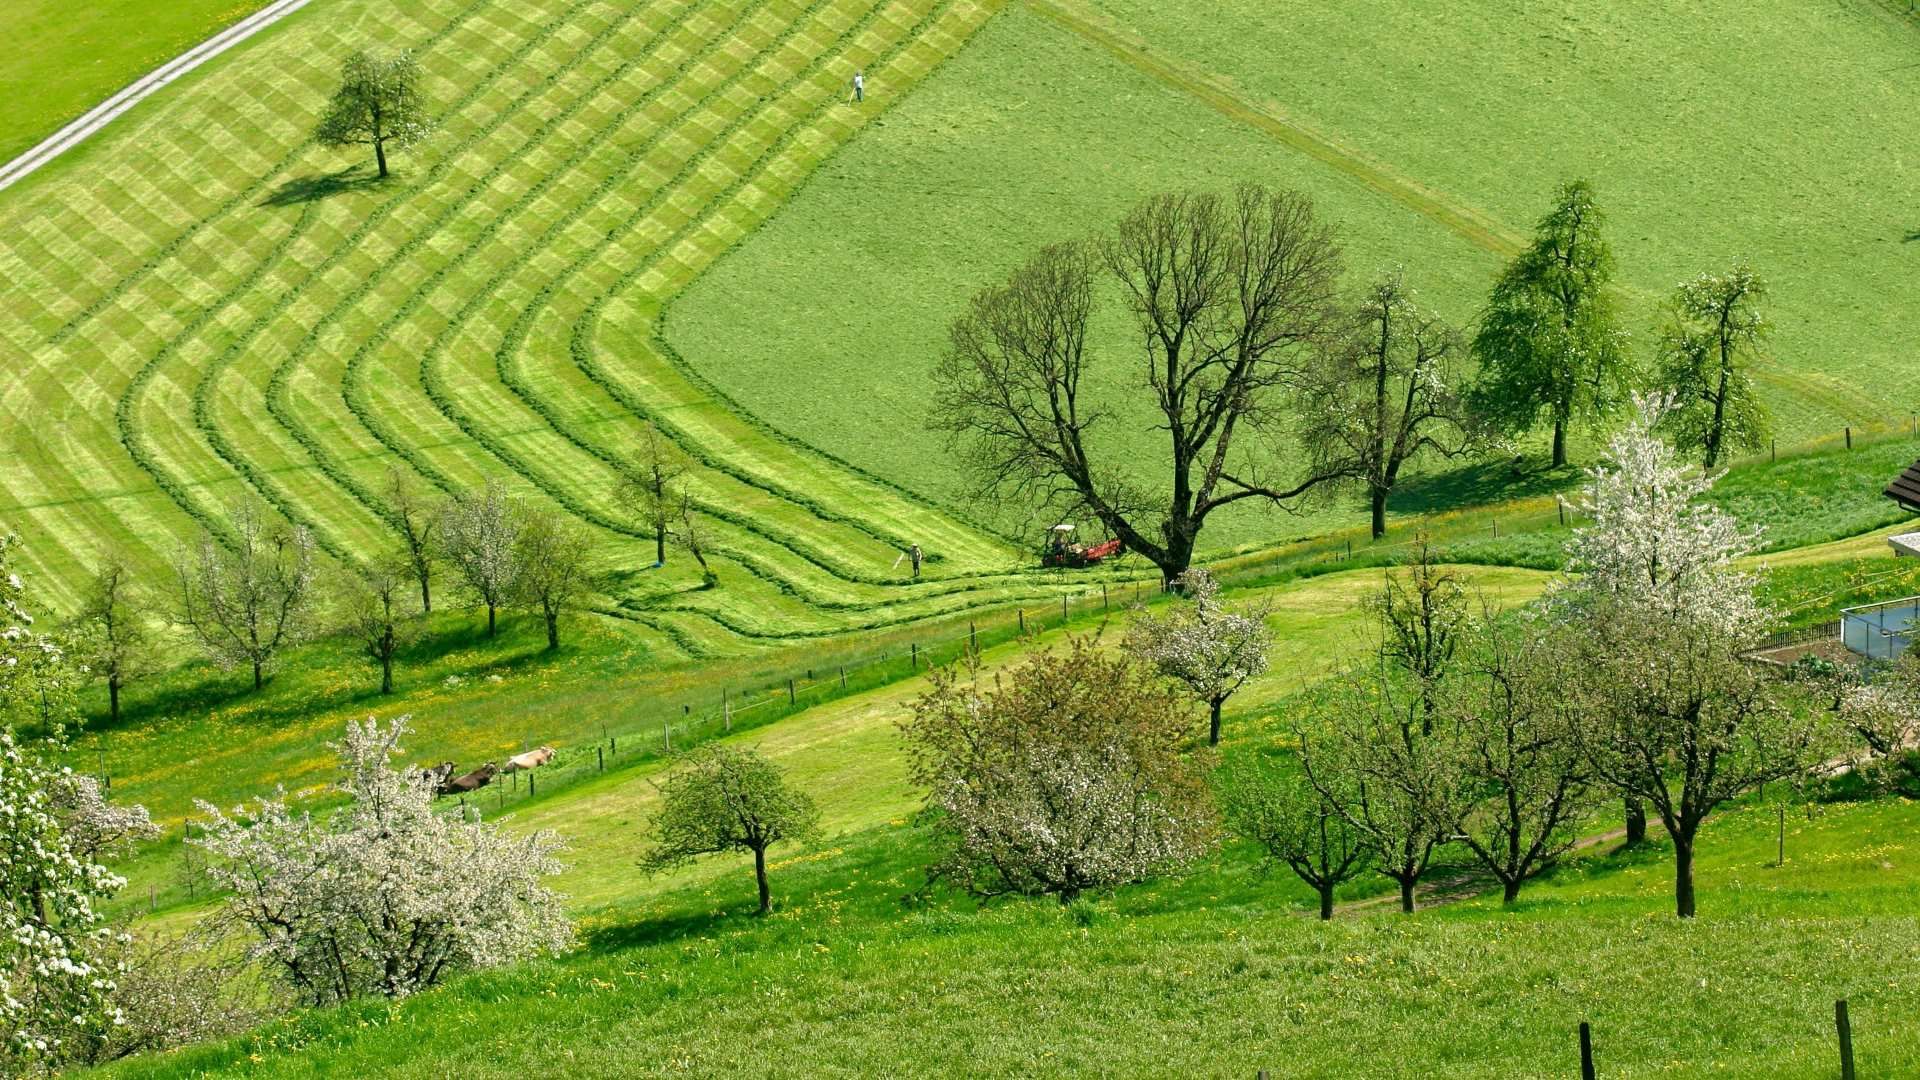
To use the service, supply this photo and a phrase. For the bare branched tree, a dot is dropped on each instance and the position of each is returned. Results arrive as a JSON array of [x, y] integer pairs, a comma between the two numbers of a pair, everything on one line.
[[551, 552], [652, 490], [1231, 295], [247, 601], [416, 515], [478, 532], [375, 613]]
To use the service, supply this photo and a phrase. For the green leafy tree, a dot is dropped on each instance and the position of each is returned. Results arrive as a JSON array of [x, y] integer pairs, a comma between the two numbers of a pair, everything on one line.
[[378, 105], [1294, 825], [114, 631], [652, 490], [375, 611], [1548, 344], [728, 799], [1715, 332], [551, 553]]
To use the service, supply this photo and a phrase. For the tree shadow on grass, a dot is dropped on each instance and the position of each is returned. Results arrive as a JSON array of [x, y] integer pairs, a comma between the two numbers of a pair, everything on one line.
[[312, 188], [1481, 483]]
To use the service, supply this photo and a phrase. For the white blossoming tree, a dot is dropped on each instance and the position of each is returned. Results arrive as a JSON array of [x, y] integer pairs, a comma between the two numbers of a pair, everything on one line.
[[1209, 648], [1065, 776], [1661, 619], [56, 987], [385, 895]]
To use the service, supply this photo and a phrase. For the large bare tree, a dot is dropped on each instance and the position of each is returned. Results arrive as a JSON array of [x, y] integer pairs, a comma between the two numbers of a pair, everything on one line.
[[1230, 296]]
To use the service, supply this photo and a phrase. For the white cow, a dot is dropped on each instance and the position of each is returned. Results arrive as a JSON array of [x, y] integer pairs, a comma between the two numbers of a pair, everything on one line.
[[532, 759]]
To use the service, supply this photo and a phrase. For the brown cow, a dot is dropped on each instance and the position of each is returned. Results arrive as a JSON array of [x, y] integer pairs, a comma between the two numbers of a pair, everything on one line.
[[532, 759], [473, 781], [436, 776]]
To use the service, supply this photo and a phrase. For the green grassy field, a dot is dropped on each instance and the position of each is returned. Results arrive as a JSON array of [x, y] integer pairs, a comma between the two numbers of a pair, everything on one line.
[[67, 57], [1218, 973], [1062, 112]]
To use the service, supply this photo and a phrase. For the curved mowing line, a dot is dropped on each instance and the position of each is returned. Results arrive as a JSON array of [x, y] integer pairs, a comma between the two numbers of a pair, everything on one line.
[[278, 392], [245, 195], [506, 357], [203, 415], [123, 410], [434, 382], [582, 351], [479, 296]]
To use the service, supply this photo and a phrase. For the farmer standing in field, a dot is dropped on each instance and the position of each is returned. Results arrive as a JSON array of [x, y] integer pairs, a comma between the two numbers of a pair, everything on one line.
[[914, 552], [859, 86]]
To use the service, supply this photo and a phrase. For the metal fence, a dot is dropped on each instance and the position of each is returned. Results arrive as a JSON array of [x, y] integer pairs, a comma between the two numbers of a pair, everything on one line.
[[1880, 631]]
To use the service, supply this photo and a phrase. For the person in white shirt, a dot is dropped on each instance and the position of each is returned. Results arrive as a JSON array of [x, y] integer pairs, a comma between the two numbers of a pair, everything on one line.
[[859, 86]]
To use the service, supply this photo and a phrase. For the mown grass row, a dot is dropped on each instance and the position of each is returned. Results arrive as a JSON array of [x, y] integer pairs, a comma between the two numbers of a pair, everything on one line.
[[241, 197], [369, 226], [278, 388]]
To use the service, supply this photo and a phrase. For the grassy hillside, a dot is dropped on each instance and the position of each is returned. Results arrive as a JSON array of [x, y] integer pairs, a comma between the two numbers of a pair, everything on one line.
[[67, 57], [1434, 134], [1219, 973]]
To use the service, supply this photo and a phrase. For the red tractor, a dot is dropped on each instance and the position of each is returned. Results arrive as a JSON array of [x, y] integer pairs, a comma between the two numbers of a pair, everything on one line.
[[1060, 550]]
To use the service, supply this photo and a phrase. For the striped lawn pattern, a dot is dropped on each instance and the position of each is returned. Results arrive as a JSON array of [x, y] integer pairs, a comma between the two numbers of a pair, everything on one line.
[[204, 306]]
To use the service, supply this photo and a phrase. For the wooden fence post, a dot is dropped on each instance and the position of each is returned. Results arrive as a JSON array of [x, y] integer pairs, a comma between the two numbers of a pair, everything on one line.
[[1563, 510], [973, 637], [1586, 1051], [1773, 451], [726, 710], [1845, 1028], [529, 783], [913, 659], [1063, 609], [1022, 612], [1103, 596], [843, 676], [790, 694], [666, 736], [600, 752], [1849, 433]]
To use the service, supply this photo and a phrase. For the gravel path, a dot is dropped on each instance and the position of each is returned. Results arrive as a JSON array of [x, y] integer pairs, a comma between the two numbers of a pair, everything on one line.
[[102, 114]]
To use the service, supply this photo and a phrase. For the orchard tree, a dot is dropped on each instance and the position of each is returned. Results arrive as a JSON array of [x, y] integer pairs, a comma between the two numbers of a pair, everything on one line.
[[1066, 775], [1210, 649], [416, 515], [1518, 732], [383, 895], [1229, 297], [1548, 344], [1713, 338], [1370, 752], [727, 799], [1382, 395], [551, 553], [480, 534], [250, 598], [692, 535], [653, 488], [1293, 824], [114, 630], [378, 104], [1676, 714], [375, 611], [1422, 617]]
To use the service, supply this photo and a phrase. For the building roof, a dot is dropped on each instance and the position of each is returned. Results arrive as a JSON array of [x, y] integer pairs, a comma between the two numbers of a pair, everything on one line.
[[1905, 488]]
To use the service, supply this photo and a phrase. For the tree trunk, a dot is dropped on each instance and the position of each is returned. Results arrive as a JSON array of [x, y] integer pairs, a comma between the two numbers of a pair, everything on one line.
[[760, 874], [113, 698], [386, 673], [380, 154], [660, 545], [553, 630], [259, 680], [426, 596], [492, 626], [1406, 894], [1213, 728], [1636, 821], [1379, 499], [1683, 877], [1559, 443], [1510, 891], [1326, 901]]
